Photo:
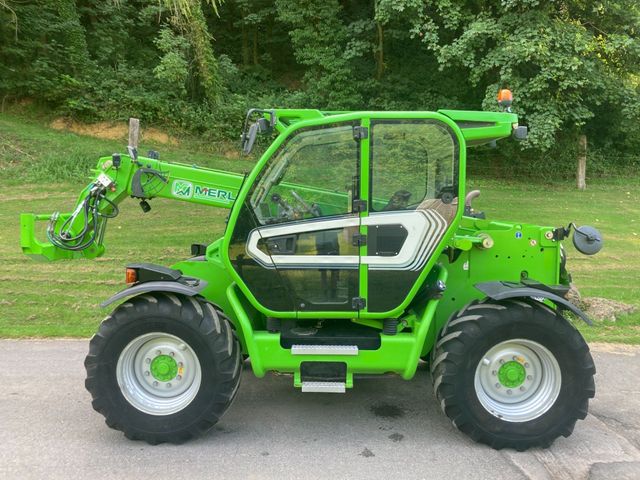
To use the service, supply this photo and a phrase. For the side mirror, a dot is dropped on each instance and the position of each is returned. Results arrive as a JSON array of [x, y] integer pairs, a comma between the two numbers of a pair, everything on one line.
[[249, 138], [261, 125], [587, 240], [264, 126]]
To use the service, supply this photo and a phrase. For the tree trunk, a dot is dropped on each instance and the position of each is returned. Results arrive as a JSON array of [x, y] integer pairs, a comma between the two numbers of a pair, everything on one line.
[[206, 63], [582, 162], [255, 45], [380, 52], [245, 46]]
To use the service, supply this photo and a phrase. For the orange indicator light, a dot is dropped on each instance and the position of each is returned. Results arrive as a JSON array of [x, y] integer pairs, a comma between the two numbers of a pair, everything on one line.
[[131, 276]]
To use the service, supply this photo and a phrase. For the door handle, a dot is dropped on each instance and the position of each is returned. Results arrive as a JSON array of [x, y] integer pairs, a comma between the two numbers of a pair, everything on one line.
[[285, 245]]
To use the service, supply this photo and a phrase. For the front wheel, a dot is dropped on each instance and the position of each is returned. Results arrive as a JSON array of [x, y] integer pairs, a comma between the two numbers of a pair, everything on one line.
[[163, 367], [512, 374]]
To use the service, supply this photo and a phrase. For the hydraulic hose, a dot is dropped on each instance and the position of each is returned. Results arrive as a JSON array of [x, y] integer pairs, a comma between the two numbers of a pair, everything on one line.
[[92, 221]]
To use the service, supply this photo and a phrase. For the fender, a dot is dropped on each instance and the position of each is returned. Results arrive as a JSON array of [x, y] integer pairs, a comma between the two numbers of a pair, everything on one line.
[[156, 278], [504, 290], [159, 286]]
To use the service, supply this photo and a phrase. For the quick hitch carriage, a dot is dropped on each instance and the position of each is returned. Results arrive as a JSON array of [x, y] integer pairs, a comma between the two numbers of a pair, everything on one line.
[[349, 249]]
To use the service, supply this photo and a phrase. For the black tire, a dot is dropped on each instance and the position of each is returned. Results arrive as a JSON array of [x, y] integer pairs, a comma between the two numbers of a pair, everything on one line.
[[469, 336], [203, 329]]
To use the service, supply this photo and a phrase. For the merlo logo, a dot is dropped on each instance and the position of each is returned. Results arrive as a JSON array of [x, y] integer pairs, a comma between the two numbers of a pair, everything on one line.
[[182, 189]]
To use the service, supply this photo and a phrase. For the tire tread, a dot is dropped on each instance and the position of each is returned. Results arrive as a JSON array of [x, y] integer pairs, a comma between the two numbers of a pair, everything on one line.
[[198, 314], [448, 363]]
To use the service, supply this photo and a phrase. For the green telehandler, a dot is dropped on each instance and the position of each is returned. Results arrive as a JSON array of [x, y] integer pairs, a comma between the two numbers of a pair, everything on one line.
[[350, 249]]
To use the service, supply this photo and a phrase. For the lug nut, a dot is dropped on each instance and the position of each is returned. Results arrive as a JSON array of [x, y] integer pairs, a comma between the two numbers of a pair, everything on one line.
[[529, 377], [522, 389], [526, 365], [497, 385], [509, 392], [173, 354], [168, 385], [501, 361], [147, 360], [146, 373], [494, 373], [179, 377], [155, 384]]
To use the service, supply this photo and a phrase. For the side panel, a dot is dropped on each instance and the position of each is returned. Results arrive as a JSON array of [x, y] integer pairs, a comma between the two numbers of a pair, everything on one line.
[[520, 251]]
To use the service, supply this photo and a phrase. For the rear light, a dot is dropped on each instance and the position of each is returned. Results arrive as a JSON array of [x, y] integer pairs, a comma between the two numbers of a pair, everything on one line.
[[131, 276]]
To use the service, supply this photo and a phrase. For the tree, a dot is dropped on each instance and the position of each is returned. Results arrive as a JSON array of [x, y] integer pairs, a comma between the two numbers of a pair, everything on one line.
[[189, 18], [319, 37], [563, 59]]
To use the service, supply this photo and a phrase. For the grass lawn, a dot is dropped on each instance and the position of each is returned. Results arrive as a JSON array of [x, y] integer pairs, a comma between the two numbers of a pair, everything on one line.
[[39, 171]]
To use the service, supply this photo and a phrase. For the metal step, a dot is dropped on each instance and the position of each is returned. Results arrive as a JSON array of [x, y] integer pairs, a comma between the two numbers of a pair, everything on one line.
[[324, 350], [323, 387]]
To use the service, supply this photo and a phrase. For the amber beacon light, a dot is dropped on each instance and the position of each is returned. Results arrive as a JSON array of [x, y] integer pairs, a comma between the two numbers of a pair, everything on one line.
[[505, 98]]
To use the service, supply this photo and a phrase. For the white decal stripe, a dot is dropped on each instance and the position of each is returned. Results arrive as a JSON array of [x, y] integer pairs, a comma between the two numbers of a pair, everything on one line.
[[315, 261], [422, 251], [254, 252], [424, 247], [439, 227], [425, 229], [307, 226], [301, 261], [417, 229]]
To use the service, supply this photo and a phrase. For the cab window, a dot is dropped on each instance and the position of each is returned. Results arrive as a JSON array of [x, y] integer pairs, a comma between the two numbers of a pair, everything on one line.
[[312, 175], [411, 161]]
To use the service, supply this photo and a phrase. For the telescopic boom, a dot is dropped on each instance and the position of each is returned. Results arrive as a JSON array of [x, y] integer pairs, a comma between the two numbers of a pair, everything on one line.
[[81, 233]]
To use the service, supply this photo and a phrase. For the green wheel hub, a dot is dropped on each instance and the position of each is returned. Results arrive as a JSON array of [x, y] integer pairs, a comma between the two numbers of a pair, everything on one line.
[[164, 368], [512, 374]]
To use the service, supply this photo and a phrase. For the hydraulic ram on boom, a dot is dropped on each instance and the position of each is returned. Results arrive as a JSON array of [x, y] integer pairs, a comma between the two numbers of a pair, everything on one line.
[[81, 233]]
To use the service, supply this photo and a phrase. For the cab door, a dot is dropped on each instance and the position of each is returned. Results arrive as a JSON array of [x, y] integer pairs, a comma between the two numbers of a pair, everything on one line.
[[295, 243], [413, 190]]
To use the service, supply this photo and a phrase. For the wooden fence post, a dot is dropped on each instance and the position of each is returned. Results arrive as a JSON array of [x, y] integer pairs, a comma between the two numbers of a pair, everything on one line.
[[582, 162], [134, 132]]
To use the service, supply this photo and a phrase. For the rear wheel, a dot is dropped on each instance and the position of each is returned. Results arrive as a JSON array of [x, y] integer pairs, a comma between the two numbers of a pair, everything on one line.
[[512, 374], [163, 367]]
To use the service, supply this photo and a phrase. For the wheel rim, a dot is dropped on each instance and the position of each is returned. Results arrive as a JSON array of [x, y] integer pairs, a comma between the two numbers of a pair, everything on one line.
[[158, 373], [518, 380]]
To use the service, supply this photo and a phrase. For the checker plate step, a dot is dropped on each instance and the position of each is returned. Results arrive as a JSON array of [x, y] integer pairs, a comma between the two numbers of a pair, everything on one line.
[[323, 387], [324, 350]]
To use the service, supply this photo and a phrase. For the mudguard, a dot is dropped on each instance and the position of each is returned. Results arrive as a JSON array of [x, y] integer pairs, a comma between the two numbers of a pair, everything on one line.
[[157, 286], [504, 290]]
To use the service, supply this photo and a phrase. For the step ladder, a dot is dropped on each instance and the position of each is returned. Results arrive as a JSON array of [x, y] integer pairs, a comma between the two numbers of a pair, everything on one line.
[[315, 382]]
